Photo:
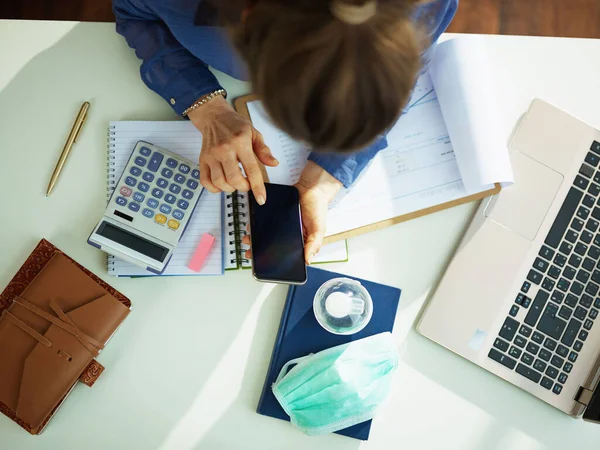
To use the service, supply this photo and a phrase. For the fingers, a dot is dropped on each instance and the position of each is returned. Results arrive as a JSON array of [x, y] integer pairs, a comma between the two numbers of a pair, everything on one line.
[[312, 248], [218, 178], [262, 151], [205, 178], [254, 175], [247, 241], [313, 243], [233, 175]]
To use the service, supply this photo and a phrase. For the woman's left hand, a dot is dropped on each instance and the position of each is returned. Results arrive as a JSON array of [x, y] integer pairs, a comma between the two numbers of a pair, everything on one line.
[[317, 189]]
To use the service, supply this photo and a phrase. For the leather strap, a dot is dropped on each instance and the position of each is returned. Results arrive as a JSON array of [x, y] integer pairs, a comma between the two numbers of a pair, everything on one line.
[[27, 329], [64, 322]]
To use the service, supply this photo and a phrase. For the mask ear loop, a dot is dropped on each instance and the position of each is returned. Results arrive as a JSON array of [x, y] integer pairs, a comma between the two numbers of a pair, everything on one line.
[[284, 369]]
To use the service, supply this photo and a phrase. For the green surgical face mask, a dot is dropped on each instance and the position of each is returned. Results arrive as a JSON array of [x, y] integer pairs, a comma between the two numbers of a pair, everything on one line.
[[338, 387]]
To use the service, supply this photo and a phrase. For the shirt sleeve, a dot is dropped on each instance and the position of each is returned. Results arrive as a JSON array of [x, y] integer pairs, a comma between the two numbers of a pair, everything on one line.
[[168, 68], [347, 168]]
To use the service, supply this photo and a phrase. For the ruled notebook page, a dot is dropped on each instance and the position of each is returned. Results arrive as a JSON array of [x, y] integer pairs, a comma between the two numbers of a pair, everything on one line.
[[180, 137]]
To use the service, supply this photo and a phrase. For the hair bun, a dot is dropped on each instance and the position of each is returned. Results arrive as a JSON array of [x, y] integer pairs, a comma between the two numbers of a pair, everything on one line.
[[353, 14]]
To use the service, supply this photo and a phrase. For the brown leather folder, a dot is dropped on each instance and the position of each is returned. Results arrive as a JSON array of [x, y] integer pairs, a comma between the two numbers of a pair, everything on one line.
[[56, 317]]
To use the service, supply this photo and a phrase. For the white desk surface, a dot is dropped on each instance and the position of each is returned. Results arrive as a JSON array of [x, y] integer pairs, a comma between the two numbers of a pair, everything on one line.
[[187, 368]]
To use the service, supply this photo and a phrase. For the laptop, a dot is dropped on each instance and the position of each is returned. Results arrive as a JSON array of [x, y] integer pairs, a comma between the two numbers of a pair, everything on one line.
[[521, 296]]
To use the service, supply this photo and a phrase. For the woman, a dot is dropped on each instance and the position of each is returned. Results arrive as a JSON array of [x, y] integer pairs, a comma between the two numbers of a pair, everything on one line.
[[333, 73]]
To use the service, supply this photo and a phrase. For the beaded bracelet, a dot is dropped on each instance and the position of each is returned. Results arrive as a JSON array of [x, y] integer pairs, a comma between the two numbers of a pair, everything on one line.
[[204, 100]]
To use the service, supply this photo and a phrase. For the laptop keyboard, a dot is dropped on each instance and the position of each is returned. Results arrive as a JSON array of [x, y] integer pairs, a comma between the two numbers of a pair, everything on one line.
[[561, 290]]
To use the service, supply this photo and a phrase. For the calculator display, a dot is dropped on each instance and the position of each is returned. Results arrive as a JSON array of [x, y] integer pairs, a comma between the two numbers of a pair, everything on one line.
[[141, 245]]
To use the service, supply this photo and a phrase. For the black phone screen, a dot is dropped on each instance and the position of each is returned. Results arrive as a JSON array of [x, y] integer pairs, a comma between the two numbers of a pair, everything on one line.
[[277, 242]]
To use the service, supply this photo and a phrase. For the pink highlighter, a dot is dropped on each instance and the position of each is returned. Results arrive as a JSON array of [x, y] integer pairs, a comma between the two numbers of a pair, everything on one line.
[[201, 252]]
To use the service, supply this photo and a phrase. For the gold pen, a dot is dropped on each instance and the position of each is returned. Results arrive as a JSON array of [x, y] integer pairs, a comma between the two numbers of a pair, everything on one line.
[[73, 135]]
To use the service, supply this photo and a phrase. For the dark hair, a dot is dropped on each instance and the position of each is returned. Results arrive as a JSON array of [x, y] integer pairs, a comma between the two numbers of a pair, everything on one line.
[[332, 83]]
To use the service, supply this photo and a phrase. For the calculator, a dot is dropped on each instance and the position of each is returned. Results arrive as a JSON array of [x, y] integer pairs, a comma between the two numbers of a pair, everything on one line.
[[150, 207]]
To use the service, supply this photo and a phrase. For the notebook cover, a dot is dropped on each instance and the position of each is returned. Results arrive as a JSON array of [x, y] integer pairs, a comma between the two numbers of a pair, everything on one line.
[[300, 334], [36, 261]]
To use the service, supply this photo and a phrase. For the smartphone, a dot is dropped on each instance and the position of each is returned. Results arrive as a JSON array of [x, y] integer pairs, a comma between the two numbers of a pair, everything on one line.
[[277, 240]]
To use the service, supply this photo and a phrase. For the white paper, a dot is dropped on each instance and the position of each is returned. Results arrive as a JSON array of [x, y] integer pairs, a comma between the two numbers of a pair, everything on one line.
[[334, 252], [182, 138], [467, 91], [446, 147], [292, 155], [416, 171]]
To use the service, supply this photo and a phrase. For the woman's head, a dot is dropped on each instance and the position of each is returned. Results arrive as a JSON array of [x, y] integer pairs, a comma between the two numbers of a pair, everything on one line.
[[335, 74]]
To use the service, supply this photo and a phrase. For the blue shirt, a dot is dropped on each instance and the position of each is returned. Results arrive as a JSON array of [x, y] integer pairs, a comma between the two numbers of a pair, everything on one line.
[[176, 54]]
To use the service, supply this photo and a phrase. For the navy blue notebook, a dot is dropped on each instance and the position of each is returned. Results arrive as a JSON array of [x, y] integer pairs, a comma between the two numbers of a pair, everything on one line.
[[300, 334]]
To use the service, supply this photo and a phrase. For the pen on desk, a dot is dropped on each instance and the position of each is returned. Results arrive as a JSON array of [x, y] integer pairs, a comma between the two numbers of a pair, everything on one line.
[[73, 135]]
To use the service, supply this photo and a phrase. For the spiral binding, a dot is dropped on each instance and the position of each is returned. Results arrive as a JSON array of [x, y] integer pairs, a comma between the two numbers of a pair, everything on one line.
[[110, 163], [110, 182], [238, 222]]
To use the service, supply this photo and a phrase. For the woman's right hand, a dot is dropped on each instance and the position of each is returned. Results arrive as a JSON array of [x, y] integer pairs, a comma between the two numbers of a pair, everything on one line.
[[227, 140]]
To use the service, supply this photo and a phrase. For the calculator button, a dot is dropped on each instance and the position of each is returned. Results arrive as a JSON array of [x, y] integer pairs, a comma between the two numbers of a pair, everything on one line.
[[139, 197], [162, 183], [135, 171], [192, 184], [175, 188], [183, 204], [134, 206], [121, 201], [167, 173], [160, 218], [143, 186], [155, 161], [166, 209], [148, 213], [179, 178], [172, 163], [125, 191], [169, 198], [157, 193], [148, 177], [184, 168], [140, 161], [178, 214], [152, 203], [145, 151], [173, 224], [130, 181], [196, 174], [187, 194]]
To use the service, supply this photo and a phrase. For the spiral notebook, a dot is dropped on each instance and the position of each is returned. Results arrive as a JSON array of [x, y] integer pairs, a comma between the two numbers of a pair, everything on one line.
[[182, 138], [222, 216], [237, 211]]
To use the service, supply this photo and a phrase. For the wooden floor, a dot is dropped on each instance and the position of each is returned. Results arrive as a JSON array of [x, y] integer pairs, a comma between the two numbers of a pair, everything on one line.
[[569, 18]]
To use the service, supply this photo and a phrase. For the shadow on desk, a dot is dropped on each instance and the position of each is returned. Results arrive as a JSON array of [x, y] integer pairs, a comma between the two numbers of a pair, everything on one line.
[[176, 378], [198, 387], [512, 408], [221, 407]]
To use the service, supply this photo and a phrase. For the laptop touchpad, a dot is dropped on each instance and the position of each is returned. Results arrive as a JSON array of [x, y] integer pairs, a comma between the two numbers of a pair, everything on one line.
[[523, 206]]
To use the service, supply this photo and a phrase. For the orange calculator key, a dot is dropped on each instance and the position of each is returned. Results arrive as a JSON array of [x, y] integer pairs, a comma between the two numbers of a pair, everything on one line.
[[173, 224], [160, 218]]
